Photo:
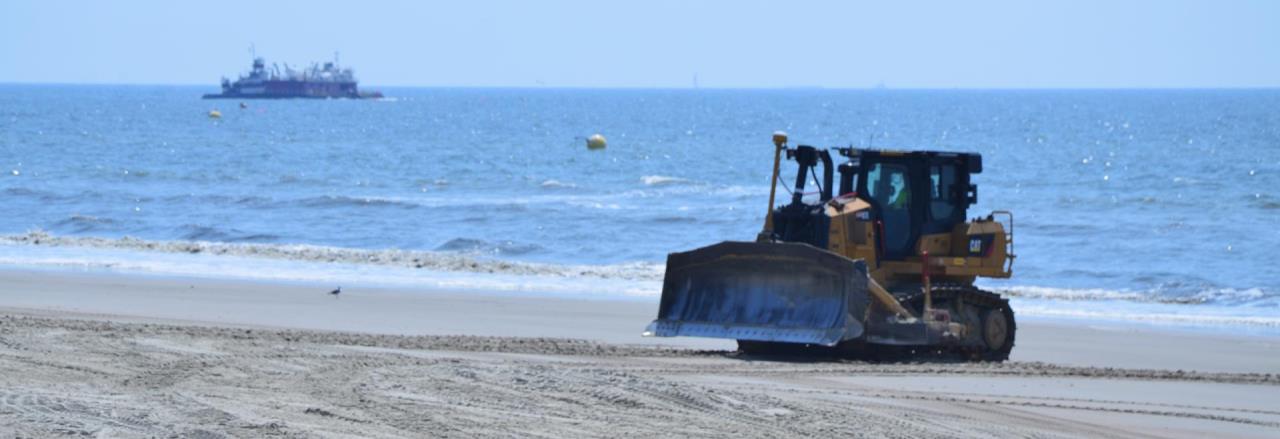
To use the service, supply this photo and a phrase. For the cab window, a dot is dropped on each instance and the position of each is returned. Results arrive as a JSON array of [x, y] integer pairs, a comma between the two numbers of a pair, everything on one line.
[[887, 184], [943, 197]]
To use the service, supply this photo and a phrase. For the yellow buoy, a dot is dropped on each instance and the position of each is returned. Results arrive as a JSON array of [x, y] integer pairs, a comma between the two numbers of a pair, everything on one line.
[[595, 142], [215, 114]]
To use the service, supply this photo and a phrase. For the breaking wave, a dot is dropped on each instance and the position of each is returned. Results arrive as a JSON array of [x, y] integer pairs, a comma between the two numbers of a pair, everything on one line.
[[1164, 315], [428, 260], [84, 223], [194, 232], [1249, 297], [479, 246], [557, 184], [345, 201], [660, 180], [475, 267]]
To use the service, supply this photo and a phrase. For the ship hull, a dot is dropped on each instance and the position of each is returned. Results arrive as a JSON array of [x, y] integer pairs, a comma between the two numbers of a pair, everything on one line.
[[273, 89], [274, 96]]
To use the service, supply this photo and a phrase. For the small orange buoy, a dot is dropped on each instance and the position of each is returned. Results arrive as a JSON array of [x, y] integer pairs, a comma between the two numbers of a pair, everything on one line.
[[215, 114]]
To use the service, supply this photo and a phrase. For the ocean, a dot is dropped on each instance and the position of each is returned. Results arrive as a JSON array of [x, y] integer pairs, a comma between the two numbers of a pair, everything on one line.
[[1160, 206]]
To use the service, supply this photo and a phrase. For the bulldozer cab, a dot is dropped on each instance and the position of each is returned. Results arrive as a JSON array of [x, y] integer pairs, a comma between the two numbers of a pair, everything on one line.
[[911, 193]]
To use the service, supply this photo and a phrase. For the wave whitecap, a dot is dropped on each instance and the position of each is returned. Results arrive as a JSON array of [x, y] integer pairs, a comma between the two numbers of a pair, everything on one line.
[[661, 180], [557, 184]]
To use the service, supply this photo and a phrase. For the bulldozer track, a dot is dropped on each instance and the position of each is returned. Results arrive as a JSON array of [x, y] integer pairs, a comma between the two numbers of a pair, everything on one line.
[[986, 301], [1058, 405], [72, 416], [1117, 402]]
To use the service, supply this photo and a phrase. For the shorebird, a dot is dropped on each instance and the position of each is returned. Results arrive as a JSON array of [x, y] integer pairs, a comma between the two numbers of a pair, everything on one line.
[[336, 291]]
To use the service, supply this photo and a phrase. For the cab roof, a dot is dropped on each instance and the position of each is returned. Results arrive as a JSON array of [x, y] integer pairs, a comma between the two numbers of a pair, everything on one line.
[[971, 160]]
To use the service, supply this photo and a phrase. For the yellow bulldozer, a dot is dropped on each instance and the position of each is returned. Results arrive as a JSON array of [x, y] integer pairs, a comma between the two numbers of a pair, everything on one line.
[[882, 262]]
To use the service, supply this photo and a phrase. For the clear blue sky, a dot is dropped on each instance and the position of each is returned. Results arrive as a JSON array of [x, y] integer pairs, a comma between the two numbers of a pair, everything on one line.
[[656, 43]]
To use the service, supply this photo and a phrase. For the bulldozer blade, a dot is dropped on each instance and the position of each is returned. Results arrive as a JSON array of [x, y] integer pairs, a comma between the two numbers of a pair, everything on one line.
[[779, 292]]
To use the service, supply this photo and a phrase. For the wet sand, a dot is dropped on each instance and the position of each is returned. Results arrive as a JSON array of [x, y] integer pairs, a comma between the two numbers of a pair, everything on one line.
[[134, 356]]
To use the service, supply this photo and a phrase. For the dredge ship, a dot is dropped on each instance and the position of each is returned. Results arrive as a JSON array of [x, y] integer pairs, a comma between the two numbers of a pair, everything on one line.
[[314, 82]]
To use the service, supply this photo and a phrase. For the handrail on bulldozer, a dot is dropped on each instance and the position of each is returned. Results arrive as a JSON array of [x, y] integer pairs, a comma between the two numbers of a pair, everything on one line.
[[1008, 241]]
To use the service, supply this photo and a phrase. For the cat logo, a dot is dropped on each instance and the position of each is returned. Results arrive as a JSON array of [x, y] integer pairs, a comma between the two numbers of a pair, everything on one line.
[[975, 245]]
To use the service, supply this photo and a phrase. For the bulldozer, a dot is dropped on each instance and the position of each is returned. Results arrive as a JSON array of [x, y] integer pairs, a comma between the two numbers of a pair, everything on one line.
[[882, 261]]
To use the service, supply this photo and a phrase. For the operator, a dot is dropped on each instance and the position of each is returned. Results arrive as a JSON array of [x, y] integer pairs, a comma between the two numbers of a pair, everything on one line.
[[901, 196]]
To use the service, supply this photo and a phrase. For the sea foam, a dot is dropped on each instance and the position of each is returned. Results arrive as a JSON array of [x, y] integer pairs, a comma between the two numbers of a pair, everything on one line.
[[429, 260]]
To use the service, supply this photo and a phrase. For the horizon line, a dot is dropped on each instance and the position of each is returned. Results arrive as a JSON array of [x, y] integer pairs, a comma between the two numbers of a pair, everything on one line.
[[877, 87]]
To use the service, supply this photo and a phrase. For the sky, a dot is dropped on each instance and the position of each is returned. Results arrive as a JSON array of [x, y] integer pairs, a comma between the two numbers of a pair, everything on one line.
[[656, 43]]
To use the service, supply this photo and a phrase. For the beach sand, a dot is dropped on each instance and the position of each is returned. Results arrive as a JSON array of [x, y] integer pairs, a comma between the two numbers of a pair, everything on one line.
[[118, 355]]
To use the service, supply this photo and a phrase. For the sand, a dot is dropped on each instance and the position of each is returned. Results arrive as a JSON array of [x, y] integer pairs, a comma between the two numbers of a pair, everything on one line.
[[133, 356]]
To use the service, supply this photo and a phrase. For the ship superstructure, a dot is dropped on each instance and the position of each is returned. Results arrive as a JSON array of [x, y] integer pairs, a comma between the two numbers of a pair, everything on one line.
[[316, 81]]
